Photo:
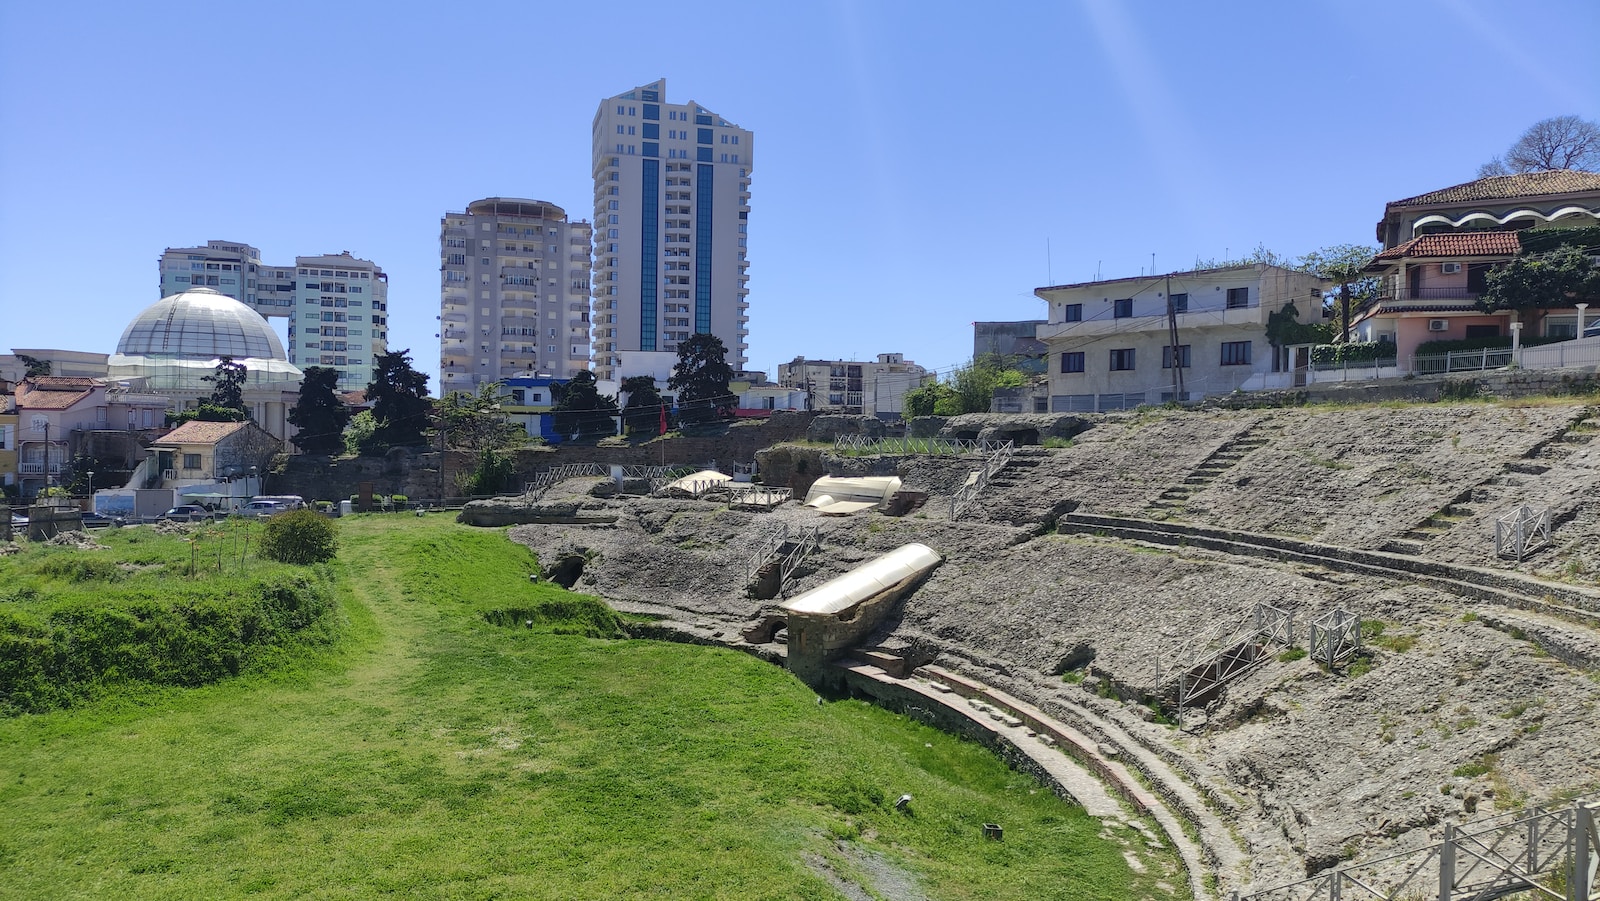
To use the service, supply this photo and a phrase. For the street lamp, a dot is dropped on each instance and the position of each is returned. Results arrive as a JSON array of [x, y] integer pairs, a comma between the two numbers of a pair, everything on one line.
[[257, 477]]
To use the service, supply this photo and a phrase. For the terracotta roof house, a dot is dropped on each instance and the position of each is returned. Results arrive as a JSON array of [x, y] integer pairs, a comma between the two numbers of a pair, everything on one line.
[[1438, 248], [198, 453], [59, 417]]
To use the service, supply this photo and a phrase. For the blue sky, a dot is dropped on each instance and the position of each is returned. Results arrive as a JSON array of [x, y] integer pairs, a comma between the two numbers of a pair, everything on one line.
[[914, 161]]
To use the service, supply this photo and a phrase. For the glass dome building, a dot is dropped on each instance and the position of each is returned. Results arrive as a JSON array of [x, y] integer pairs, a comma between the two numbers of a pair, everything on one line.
[[178, 341]]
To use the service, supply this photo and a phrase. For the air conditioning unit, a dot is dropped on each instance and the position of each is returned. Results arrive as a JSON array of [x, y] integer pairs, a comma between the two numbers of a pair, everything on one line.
[[1449, 268], [1438, 325]]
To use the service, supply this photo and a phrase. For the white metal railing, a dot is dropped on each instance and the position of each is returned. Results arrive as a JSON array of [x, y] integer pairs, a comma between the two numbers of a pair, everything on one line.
[[760, 496], [1335, 635], [765, 550], [807, 542], [1521, 532], [932, 446], [1546, 852], [979, 480], [553, 476]]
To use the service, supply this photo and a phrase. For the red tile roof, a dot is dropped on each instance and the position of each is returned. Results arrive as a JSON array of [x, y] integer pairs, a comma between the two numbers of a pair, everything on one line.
[[196, 432], [53, 392], [1510, 187], [1457, 244]]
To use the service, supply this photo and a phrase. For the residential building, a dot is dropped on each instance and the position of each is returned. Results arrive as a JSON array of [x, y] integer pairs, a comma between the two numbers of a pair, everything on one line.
[[336, 305], [8, 444], [220, 464], [671, 217], [875, 388], [58, 416], [1111, 347], [514, 293], [1017, 342], [527, 400], [1438, 249], [340, 316], [70, 363]]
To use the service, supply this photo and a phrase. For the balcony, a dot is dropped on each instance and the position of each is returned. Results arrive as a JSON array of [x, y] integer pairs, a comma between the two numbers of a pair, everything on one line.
[[1249, 314]]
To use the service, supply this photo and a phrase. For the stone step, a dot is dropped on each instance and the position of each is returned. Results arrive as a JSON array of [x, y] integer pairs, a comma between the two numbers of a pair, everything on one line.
[[892, 664], [1402, 546], [1531, 469]]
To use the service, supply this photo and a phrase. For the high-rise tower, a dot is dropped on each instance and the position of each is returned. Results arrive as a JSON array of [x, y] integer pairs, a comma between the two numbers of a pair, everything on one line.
[[514, 293], [671, 210]]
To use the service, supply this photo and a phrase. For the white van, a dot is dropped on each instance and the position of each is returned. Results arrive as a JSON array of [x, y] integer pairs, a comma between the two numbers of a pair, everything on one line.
[[283, 501]]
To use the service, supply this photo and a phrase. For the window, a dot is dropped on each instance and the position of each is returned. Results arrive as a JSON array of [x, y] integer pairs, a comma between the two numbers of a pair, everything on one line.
[[1235, 353], [1072, 362], [191, 461], [1238, 299], [1072, 312], [1180, 304], [1122, 359], [1122, 308], [1183, 356]]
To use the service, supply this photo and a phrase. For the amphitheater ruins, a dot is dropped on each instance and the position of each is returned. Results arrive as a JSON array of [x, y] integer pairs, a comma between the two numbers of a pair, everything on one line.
[[1135, 595]]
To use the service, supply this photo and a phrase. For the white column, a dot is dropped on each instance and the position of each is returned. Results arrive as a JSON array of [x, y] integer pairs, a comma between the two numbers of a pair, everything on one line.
[[1581, 307], [1516, 344]]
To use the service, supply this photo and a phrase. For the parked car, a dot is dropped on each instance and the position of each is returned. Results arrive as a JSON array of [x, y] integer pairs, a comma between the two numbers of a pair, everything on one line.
[[100, 521], [263, 508], [189, 513], [1592, 329]]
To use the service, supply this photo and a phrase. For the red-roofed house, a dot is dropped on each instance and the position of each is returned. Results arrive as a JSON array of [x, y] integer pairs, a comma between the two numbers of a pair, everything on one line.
[[56, 415], [210, 457], [1440, 246]]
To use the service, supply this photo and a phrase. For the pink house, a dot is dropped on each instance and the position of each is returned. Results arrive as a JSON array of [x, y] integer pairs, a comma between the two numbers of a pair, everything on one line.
[[1440, 246]]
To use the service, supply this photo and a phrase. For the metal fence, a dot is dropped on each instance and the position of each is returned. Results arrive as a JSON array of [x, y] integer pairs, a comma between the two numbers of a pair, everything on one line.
[[1546, 852], [932, 446], [1521, 532], [979, 480], [1335, 636]]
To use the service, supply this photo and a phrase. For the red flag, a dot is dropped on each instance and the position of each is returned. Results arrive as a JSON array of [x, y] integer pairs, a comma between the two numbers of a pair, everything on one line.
[[663, 419]]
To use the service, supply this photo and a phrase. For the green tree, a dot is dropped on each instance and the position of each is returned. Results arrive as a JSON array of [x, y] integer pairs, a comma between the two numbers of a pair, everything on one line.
[[227, 385], [1345, 265], [399, 397], [701, 377], [642, 415], [360, 436], [318, 413], [205, 412], [580, 410], [475, 423], [1551, 278]]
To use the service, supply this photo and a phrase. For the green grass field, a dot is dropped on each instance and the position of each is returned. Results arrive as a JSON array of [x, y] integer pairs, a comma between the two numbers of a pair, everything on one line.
[[427, 752]]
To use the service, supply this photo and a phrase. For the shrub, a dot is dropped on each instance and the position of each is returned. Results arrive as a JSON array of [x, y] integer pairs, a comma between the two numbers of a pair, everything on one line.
[[301, 537]]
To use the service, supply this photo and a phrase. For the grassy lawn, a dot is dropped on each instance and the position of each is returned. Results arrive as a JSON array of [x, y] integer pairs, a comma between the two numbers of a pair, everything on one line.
[[428, 752]]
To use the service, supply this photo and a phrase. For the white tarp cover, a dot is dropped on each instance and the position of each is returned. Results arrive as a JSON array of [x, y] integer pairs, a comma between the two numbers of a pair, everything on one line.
[[840, 495], [865, 581]]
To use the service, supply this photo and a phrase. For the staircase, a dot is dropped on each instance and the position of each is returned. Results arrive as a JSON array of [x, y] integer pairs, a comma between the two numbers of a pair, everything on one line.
[[1174, 501], [1504, 489], [1020, 469]]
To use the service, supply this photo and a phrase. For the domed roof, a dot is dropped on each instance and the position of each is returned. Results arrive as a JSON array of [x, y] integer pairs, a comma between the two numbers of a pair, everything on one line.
[[201, 324], [178, 341]]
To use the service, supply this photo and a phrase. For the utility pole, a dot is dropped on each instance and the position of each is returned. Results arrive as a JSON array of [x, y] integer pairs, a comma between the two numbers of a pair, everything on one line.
[[1177, 349]]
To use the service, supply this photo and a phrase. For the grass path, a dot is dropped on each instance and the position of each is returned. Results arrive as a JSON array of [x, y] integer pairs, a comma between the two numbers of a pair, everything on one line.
[[431, 754]]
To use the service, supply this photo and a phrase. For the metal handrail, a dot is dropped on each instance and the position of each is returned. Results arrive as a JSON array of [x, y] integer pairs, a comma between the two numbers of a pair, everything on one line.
[[934, 446], [969, 491]]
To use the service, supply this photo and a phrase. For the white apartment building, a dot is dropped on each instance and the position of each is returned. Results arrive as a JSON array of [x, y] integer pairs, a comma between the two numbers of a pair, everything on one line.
[[876, 388], [671, 211], [1110, 343], [336, 303], [513, 293], [340, 317]]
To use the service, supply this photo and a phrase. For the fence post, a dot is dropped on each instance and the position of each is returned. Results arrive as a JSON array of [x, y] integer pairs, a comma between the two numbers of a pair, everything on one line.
[[1447, 862], [1583, 832]]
